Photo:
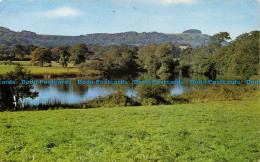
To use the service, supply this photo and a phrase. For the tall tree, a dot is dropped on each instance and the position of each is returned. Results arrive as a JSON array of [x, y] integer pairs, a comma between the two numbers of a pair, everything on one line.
[[56, 52], [245, 60], [119, 59], [21, 91], [152, 65], [202, 61], [217, 40], [19, 51], [4, 52], [185, 59], [41, 54], [164, 54], [29, 48], [79, 53], [64, 58], [146, 53]]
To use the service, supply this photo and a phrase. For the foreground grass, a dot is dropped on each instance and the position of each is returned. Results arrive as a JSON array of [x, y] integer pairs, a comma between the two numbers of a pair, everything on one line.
[[216, 131], [37, 70]]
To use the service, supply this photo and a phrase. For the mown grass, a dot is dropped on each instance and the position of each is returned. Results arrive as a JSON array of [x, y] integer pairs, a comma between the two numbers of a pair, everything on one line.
[[37, 70], [214, 131]]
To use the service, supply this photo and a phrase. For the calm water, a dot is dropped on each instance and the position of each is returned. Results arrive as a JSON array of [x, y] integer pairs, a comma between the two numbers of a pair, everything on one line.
[[75, 93]]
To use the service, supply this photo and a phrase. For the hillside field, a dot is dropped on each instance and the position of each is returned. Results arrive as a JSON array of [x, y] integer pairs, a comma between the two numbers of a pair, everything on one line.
[[38, 70], [215, 131]]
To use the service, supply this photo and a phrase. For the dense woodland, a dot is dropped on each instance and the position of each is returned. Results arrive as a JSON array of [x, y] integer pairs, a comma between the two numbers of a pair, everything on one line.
[[239, 58]]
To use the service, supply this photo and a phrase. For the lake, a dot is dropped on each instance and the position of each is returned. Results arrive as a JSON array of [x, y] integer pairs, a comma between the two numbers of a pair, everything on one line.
[[77, 93]]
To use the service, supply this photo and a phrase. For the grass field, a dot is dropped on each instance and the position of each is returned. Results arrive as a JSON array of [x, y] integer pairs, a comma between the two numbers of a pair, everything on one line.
[[37, 70], [56, 69], [216, 131], [28, 63]]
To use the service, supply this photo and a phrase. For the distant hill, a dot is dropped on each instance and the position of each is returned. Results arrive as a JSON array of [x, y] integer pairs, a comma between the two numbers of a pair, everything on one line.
[[10, 38]]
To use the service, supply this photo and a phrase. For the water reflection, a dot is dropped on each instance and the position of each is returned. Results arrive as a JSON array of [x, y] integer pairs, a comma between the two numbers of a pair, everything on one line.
[[75, 93]]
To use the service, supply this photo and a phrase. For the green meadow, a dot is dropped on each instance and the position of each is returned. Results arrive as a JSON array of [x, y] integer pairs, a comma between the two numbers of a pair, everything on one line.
[[213, 131], [37, 70]]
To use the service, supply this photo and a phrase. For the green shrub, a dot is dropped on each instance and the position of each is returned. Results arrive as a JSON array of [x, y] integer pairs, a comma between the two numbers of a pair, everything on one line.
[[116, 99], [151, 90], [217, 93], [165, 76], [149, 102], [119, 99], [253, 87], [152, 94], [177, 100], [92, 68]]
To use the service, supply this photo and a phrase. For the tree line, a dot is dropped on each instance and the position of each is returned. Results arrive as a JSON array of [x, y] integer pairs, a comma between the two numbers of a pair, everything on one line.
[[157, 60], [240, 57]]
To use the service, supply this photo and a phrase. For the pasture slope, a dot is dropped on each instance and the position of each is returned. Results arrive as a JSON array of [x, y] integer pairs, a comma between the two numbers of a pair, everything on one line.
[[215, 131], [37, 70]]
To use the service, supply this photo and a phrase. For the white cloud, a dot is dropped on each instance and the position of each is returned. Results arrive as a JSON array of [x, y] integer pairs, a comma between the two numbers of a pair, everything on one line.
[[62, 12]]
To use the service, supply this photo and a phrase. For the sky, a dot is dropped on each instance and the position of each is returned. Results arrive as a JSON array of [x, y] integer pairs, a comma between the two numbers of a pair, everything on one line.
[[80, 17]]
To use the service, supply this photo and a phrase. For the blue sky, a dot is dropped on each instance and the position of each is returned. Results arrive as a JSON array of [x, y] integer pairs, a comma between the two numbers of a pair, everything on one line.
[[79, 17]]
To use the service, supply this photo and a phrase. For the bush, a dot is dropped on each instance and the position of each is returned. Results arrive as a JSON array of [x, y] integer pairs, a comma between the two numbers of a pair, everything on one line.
[[253, 87], [177, 100], [148, 93], [92, 68], [118, 99], [217, 93], [149, 102]]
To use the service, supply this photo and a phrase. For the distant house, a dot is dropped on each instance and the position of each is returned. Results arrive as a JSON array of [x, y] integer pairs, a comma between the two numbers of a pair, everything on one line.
[[183, 47], [7, 99]]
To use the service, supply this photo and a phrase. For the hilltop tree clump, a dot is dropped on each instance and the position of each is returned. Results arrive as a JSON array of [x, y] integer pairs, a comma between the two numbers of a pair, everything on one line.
[[192, 31]]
